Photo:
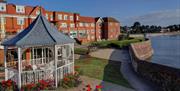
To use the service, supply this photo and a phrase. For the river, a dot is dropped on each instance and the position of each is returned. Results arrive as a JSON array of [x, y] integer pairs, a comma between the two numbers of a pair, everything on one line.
[[166, 50]]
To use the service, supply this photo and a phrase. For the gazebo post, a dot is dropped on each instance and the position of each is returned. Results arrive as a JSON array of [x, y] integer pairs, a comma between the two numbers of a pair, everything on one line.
[[5, 63], [55, 59], [73, 57], [19, 67]]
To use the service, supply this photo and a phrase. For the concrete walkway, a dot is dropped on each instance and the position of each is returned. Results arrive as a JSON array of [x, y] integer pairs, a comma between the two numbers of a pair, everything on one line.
[[126, 69], [106, 86]]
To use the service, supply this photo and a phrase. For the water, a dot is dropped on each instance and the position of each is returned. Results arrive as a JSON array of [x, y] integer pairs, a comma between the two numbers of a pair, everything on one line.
[[166, 50]]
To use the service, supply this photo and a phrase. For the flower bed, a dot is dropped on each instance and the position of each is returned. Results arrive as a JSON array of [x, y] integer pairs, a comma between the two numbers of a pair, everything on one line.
[[8, 85], [71, 80], [41, 85]]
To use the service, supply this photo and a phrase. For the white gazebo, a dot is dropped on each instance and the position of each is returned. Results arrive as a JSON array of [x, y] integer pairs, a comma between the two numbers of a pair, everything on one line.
[[42, 53]]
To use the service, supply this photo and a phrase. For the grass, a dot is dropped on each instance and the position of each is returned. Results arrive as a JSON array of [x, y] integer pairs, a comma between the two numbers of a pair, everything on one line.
[[117, 43], [102, 69]]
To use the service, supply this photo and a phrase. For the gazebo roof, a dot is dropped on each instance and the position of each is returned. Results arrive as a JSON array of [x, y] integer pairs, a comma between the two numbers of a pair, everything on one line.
[[39, 33]]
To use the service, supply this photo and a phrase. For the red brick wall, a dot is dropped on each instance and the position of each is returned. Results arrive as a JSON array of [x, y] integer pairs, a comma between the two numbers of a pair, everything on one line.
[[94, 33]]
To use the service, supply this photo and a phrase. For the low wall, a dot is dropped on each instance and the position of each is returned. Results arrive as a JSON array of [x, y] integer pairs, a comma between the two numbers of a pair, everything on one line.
[[166, 78]]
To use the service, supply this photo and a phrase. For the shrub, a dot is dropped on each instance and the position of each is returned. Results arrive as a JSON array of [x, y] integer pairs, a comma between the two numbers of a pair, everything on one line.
[[116, 43], [81, 51], [71, 80]]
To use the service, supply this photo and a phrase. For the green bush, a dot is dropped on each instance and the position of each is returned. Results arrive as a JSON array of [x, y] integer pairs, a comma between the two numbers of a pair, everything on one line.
[[116, 43], [81, 51]]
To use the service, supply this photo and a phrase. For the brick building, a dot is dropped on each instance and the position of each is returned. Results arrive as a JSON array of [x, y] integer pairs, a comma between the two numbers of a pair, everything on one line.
[[15, 18]]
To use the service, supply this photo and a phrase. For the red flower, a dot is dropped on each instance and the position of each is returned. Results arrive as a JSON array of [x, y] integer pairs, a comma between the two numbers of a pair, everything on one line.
[[76, 67], [98, 86]]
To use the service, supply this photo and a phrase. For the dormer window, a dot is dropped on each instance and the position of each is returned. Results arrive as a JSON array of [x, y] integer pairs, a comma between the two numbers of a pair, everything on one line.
[[2, 7], [37, 12], [20, 9]]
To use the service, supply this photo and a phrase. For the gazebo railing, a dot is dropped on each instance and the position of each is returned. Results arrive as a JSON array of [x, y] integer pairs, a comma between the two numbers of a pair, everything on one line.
[[36, 75], [40, 60], [12, 74]]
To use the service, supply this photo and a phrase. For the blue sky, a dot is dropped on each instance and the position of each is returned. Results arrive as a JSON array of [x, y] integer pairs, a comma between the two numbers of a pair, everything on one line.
[[126, 11]]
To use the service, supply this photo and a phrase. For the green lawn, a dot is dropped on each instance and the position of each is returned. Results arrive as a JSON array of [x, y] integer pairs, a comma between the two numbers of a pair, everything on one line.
[[116, 43], [102, 69]]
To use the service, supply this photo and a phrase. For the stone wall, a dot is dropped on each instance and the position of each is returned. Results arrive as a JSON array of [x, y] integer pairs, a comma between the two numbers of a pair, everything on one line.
[[166, 78]]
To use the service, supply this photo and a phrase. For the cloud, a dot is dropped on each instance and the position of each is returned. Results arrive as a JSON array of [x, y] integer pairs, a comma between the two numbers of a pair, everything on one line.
[[163, 18]]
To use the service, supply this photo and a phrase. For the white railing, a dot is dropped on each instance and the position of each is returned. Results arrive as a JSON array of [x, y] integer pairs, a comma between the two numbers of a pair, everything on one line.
[[12, 74], [34, 76], [43, 60]]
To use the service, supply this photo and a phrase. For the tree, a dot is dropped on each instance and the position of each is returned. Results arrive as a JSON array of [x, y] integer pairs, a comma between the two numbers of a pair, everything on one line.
[[137, 27]]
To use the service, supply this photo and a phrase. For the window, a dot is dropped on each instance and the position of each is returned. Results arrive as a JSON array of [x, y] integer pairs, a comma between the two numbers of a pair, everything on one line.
[[65, 17], [82, 33], [71, 18], [63, 25], [51, 17], [20, 21], [92, 31], [77, 17], [3, 20], [72, 25], [46, 16], [2, 7], [20, 9], [60, 16], [81, 24], [92, 25], [73, 34], [37, 12], [86, 24]]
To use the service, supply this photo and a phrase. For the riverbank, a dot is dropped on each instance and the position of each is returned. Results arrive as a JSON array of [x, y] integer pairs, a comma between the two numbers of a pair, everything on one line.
[[155, 34]]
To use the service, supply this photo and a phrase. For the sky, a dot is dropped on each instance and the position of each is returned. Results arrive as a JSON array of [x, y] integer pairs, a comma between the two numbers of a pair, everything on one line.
[[152, 12]]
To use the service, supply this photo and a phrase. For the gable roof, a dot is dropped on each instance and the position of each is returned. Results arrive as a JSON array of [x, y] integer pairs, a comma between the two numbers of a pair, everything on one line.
[[110, 19], [40, 32]]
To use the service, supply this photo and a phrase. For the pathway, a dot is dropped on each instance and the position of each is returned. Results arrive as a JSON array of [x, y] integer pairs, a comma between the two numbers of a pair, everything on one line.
[[93, 82], [126, 69]]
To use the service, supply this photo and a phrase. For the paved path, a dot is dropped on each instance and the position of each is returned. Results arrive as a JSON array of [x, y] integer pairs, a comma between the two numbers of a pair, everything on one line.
[[112, 54], [126, 69], [93, 82]]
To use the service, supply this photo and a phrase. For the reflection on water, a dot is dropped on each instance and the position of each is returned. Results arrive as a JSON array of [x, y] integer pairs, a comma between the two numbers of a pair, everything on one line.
[[166, 50]]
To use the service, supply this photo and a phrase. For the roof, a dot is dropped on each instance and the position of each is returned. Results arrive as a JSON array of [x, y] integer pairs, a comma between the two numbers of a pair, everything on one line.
[[87, 19], [110, 19], [40, 32]]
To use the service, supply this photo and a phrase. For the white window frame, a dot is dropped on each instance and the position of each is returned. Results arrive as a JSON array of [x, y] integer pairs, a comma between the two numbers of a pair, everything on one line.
[[65, 17], [86, 24], [59, 16], [20, 21], [63, 25], [72, 25], [37, 12], [77, 17], [81, 24], [20, 9], [3, 20], [92, 24], [71, 18], [2, 7]]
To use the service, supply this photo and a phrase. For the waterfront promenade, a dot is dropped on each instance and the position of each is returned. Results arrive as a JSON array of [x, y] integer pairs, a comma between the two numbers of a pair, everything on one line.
[[138, 83]]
